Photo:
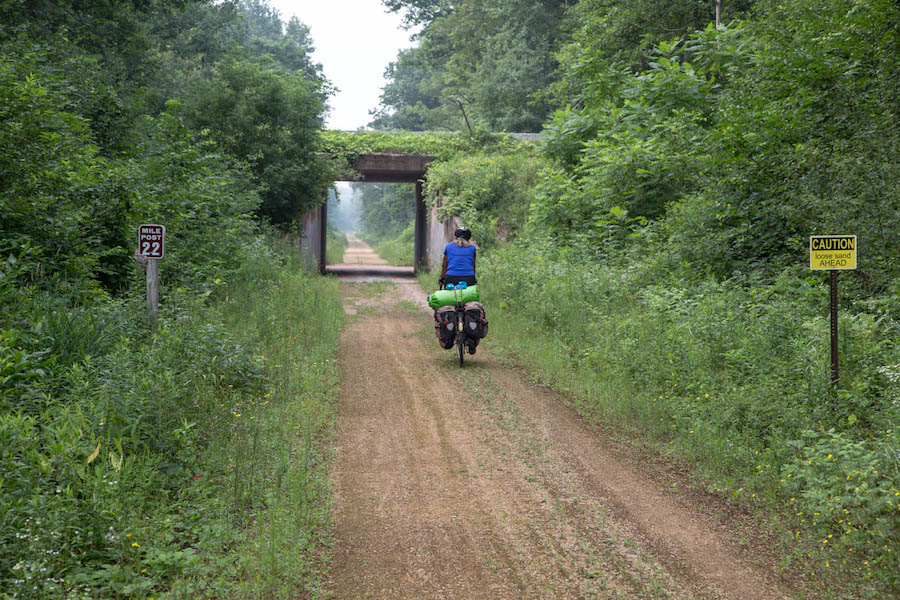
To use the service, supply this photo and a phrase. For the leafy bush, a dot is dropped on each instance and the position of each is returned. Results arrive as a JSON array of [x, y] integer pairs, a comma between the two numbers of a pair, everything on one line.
[[130, 463], [731, 371], [489, 192], [104, 448]]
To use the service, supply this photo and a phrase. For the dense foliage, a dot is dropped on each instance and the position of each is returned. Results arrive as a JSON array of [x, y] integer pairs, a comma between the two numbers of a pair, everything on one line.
[[134, 465], [478, 64], [656, 258], [649, 257]]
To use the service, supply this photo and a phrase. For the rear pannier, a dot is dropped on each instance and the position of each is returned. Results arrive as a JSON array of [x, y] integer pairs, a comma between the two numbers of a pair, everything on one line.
[[445, 326], [476, 323]]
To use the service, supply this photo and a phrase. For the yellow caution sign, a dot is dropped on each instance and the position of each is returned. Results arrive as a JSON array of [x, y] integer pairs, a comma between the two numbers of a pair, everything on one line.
[[832, 252]]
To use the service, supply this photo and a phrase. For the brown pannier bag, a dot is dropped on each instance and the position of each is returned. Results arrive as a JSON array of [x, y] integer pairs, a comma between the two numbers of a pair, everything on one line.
[[445, 326], [476, 323]]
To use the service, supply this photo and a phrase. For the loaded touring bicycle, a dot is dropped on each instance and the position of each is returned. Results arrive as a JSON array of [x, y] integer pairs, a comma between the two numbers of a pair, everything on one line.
[[459, 319]]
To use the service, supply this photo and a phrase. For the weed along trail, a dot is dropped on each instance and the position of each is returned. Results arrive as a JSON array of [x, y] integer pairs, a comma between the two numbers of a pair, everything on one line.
[[467, 483]]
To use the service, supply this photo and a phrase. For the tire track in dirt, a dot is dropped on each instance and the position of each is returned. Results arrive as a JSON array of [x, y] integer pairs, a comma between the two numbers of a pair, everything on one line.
[[495, 490]]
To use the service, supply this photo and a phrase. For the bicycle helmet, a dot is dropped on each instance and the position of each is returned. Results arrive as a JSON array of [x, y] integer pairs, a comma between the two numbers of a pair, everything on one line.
[[463, 233]]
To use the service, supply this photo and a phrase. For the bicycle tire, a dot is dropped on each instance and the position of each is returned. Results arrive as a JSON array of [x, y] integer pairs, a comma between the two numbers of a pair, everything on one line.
[[460, 335]]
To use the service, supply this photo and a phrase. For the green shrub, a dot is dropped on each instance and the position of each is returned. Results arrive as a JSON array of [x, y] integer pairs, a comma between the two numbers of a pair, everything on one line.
[[489, 192], [735, 374]]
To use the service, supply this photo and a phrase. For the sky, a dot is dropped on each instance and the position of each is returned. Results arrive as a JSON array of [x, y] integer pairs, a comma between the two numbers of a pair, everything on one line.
[[355, 40]]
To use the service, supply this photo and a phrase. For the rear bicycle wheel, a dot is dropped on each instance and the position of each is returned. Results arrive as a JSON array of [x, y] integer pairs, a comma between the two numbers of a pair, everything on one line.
[[460, 347]]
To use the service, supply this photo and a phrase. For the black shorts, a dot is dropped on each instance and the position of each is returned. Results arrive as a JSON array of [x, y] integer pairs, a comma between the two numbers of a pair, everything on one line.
[[456, 279]]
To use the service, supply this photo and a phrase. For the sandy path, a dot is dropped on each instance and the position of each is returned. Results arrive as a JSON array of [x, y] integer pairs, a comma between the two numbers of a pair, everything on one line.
[[361, 265], [359, 253], [489, 488]]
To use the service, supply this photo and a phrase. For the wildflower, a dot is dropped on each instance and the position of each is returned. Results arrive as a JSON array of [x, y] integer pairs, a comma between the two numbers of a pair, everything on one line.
[[135, 545]]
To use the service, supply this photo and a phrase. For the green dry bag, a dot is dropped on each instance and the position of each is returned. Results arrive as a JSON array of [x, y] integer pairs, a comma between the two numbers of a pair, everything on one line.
[[453, 297]]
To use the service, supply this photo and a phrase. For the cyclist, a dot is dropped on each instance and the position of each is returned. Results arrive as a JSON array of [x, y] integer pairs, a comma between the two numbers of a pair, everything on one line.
[[459, 260]]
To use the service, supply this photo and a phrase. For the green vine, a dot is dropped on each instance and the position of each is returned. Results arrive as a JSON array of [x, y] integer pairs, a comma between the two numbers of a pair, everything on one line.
[[345, 147]]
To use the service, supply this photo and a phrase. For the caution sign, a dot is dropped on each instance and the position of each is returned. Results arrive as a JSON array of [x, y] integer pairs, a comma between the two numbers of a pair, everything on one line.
[[832, 252]]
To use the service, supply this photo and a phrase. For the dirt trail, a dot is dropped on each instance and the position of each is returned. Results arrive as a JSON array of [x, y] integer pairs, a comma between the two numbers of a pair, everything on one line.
[[469, 483], [360, 264], [358, 253]]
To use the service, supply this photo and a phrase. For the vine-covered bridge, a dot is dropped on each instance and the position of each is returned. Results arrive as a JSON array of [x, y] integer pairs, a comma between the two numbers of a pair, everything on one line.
[[431, 234]]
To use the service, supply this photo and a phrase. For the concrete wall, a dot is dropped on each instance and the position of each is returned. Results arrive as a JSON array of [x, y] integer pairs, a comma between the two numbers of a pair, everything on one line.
[[439, 235], [311, 226]]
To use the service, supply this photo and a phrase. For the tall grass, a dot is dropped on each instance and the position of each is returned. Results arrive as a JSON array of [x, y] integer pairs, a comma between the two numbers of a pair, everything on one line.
[[732, 376], [188, 464], [294, 321], [335, 245]]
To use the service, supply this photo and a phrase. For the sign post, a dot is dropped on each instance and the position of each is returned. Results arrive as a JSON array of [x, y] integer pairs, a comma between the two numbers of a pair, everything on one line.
[[152, 247], [833, 253]]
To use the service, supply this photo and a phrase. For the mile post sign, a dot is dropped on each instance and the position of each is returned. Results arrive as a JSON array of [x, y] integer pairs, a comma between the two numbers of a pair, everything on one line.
[[152, 247], [152, 241]]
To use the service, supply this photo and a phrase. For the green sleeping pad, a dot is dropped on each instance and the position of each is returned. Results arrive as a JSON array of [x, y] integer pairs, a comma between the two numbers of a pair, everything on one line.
[[453, 297]]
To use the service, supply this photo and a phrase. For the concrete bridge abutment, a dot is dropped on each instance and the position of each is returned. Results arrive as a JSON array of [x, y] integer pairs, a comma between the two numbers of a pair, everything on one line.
[[384, 168]]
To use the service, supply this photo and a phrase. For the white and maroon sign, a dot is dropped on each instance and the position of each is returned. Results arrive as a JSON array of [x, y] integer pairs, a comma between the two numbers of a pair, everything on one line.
[[152, 241]]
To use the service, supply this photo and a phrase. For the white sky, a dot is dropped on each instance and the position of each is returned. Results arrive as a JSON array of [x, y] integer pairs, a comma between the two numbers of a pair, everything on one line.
[[355, 40]]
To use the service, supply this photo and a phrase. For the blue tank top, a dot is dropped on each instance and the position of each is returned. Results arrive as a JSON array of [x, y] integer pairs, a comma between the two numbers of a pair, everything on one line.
[[460, 261]]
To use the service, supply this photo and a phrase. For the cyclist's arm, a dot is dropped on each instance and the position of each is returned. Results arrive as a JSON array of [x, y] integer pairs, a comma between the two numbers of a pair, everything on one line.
[[444, 267]]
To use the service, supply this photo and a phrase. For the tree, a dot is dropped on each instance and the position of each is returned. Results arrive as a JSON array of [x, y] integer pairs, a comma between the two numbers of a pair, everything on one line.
[[270, 117], [479, 63]]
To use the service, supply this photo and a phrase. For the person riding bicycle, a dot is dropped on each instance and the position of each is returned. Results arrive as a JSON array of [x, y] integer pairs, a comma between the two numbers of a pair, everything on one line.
[[459, 260], [459, 268]]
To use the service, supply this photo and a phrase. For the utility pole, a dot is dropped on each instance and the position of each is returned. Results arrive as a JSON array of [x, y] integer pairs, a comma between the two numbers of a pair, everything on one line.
[[718, 13]]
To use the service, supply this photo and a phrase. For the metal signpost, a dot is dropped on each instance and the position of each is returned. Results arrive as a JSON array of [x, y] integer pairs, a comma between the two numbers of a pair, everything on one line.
[[152, 247], [833, 253]]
